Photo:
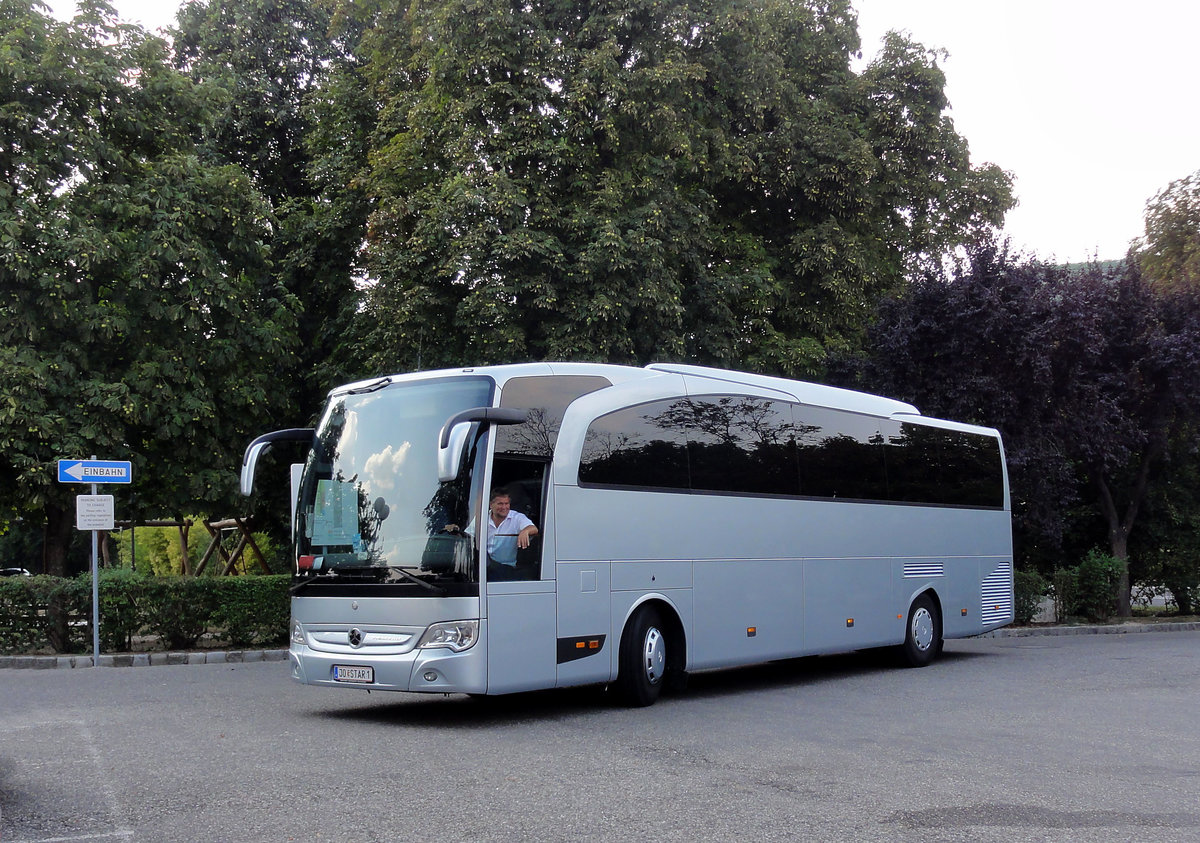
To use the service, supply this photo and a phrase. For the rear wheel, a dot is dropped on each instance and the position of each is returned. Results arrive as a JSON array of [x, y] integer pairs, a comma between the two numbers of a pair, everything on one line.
[[923, 640], [643, 658]]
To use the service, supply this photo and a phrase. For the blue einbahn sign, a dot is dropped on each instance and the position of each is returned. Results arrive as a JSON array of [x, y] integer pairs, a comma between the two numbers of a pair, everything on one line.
[[94, 471]]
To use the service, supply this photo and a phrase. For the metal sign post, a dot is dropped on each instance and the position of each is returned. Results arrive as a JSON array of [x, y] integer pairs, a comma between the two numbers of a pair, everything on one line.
[[95, 592], [94, 512]]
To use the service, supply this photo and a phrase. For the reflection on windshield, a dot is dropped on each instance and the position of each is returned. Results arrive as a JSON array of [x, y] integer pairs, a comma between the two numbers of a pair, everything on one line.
[[370, 497]]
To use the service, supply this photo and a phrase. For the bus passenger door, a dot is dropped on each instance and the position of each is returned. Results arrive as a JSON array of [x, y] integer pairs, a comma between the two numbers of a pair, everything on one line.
[[521, 602], [521, 637]]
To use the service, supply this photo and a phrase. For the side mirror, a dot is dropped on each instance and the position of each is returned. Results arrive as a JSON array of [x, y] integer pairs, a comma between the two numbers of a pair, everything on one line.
[[452, 440], [260, 446], [449, 457]]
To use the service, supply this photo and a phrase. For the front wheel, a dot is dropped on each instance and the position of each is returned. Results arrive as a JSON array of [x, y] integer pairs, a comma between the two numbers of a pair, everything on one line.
[[642, 658], [923, 640]]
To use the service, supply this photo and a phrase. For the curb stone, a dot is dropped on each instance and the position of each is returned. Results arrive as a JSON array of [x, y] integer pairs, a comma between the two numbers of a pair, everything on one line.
[[1108, 629], [250, 656], [143, 659]]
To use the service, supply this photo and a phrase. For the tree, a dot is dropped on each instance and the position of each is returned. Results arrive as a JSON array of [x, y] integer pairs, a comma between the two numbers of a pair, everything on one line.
[[1169, 253], [136, 318], [276, 62], [627, 181], [1167, 542], [982, 346], [1087, 375]]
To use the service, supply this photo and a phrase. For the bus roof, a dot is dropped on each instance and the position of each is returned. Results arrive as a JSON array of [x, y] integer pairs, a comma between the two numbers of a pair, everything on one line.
[[801, 391]]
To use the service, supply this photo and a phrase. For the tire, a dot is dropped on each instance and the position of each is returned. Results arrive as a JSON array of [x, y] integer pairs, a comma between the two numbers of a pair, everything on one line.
[[643, 661], [923, 639]]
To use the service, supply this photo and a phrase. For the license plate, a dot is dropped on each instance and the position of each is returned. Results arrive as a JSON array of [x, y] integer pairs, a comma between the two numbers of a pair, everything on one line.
[[353, 673]]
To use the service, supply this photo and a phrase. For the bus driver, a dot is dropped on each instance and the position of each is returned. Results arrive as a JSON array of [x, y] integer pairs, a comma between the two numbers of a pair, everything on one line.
[[508, 530]]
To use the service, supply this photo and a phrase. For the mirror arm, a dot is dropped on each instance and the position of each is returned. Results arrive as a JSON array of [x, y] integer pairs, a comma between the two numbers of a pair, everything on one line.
[[492, 415], [262, 444]]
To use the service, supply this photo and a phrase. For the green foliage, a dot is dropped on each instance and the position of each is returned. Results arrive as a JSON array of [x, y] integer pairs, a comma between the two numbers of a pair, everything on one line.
[[243, 611], [178, 609], [42, 611], [1169, 252], [1098, 582], [272, 122], [1065, 589], [1091, 589], [1031, 588], [21, 627], [158, 551], [122, 599], [625, 181], [253, 610], [136, 317], [154, 550]]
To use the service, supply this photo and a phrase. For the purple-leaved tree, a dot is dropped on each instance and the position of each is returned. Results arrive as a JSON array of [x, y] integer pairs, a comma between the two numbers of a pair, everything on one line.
[[1087, 373]]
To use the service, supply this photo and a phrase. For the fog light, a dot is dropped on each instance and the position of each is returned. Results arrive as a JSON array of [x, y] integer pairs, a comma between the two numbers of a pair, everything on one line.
[[431, 676]]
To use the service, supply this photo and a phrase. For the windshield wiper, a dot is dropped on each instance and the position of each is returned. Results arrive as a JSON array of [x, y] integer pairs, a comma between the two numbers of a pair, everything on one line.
[[369, 387], [375, 572], [302, 583], [436, 589]]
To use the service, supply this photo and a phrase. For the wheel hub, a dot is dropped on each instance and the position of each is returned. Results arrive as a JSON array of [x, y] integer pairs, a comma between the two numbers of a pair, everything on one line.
[[922, 629], [655, 653]]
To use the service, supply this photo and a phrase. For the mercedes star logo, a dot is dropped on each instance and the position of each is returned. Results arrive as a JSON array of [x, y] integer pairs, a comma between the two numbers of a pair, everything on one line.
[[356, 637]]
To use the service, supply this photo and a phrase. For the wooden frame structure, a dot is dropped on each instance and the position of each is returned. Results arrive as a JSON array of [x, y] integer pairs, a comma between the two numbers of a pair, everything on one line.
[[216, 544]]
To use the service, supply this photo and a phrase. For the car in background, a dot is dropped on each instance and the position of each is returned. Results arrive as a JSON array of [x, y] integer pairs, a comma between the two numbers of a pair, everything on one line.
[[14, 572]]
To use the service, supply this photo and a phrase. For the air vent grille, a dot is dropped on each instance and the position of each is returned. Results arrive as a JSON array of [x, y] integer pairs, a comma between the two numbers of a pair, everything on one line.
[[923, 570], [997, 604]]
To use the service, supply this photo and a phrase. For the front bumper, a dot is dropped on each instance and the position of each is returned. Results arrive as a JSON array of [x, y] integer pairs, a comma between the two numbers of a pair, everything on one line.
[[433, 670]]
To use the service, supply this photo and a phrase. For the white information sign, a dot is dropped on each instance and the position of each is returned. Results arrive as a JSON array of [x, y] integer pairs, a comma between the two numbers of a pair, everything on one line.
[[94, 512]]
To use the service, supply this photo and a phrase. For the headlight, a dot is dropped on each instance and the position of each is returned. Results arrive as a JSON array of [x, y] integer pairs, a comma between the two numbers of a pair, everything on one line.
[[453, 635], [297, 633]]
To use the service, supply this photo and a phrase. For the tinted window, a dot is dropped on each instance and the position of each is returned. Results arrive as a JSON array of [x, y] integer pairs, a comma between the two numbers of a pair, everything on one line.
[[933, 465], [638, 446], [745, 445], [740, 444], [546, 398], [841, 455]]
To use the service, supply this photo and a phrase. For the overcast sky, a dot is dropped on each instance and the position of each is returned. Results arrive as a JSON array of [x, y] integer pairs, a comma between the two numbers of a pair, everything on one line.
[[1090, 104]]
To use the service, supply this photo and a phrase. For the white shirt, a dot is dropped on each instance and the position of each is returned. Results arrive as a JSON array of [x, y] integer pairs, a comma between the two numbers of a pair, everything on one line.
[[502, 537]]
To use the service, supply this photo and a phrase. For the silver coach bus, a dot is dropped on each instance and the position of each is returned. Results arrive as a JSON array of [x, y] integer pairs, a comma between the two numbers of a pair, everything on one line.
[[688, 518]]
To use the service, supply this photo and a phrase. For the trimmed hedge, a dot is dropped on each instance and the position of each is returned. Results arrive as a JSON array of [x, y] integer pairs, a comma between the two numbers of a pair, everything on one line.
[[41, 612]]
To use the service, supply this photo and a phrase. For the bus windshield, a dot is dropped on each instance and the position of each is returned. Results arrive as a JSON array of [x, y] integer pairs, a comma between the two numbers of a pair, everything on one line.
[[370, 503]]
